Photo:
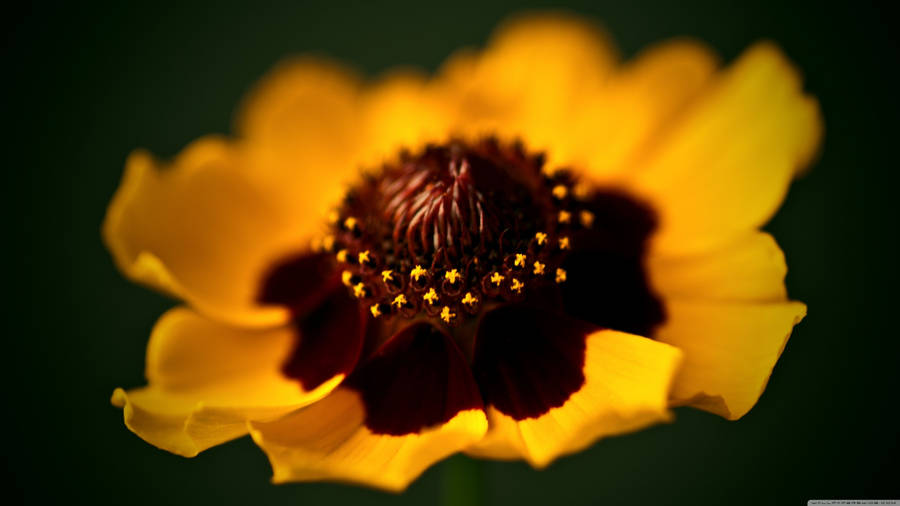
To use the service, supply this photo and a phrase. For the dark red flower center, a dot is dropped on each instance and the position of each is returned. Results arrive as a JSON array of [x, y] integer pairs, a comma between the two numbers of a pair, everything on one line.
[[456, 228]]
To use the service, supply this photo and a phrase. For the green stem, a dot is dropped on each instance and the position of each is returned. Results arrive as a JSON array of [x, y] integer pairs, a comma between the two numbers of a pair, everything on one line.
[[462, 482]]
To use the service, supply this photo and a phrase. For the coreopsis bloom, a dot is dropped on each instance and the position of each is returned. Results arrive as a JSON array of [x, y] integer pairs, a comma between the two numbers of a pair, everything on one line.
[[536, 248]]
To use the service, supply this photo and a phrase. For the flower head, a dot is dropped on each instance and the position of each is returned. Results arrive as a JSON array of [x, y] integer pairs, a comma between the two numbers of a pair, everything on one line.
[[535, 249]]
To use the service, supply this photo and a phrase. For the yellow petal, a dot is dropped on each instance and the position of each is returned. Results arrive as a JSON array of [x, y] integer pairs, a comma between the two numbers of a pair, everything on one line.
[[301, 126], [724, 168], [729, 349], [401, 111], [626, 387], [328, 441], [612, 128], [202, 229], [749, 269], [530, 79], [206, 380]]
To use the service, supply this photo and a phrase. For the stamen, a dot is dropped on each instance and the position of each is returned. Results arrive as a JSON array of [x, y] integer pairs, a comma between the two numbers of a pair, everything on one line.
[[587, 218], [364, 257], [431, 297], [469, 299], [387, 276], [452, 276], [447, 315], [351, 224], [497, 278], [418, 272], [581, 190], [399, 301], [560, 191], [347, 278], [565, 217], [419, 277], [520, 260], [538, 269], [361, 291], [564, 243], [376, 310], [516, 286], [541, 238], [560, 275]]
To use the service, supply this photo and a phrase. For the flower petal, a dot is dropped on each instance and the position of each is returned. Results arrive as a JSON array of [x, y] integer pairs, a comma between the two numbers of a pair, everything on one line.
[[724, 168], [635, 105], [750, 269], [607, 282], [206, 380], [331, 340], [530, 79], [329, 441], [411, 404], [730, 350], [301, 127], [401, 111], [202, 230], [624, 385], [299, 282]]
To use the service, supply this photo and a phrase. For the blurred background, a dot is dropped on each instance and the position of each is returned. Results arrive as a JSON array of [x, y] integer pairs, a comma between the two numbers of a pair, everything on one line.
[[85, 84]]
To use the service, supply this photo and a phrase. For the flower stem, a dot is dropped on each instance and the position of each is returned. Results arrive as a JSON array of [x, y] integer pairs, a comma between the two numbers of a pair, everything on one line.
[[462, 482]]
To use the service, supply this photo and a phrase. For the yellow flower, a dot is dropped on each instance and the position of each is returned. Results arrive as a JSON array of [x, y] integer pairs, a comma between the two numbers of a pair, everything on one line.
[[638, 188]]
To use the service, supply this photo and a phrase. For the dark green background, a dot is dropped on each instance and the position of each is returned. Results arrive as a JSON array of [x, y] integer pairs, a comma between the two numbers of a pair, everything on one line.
[[85, 84]]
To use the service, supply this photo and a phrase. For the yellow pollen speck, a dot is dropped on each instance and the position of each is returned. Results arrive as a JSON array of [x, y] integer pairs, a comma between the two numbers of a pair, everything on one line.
[[565, 216], [328, 242], [564, 243], [333, 217], [587, 218], [350, 223], [447, 315], [399, 301], [376, 312], [342, 256], [431, 296], [582, 190], [520, 260], [418, 272], [539, 268], [516, 286], [364, 256], [469, 299], [560, 275], [452, 275], [560, 191], [359, 290], [387, 276], [541, 238], [346, 277], [496, 278]]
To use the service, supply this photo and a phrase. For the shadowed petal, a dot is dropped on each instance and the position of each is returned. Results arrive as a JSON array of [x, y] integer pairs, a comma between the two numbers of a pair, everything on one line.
[[411, 404], [729, 349], [331, 337], [206, 380], [203, 229], [535, 408]]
